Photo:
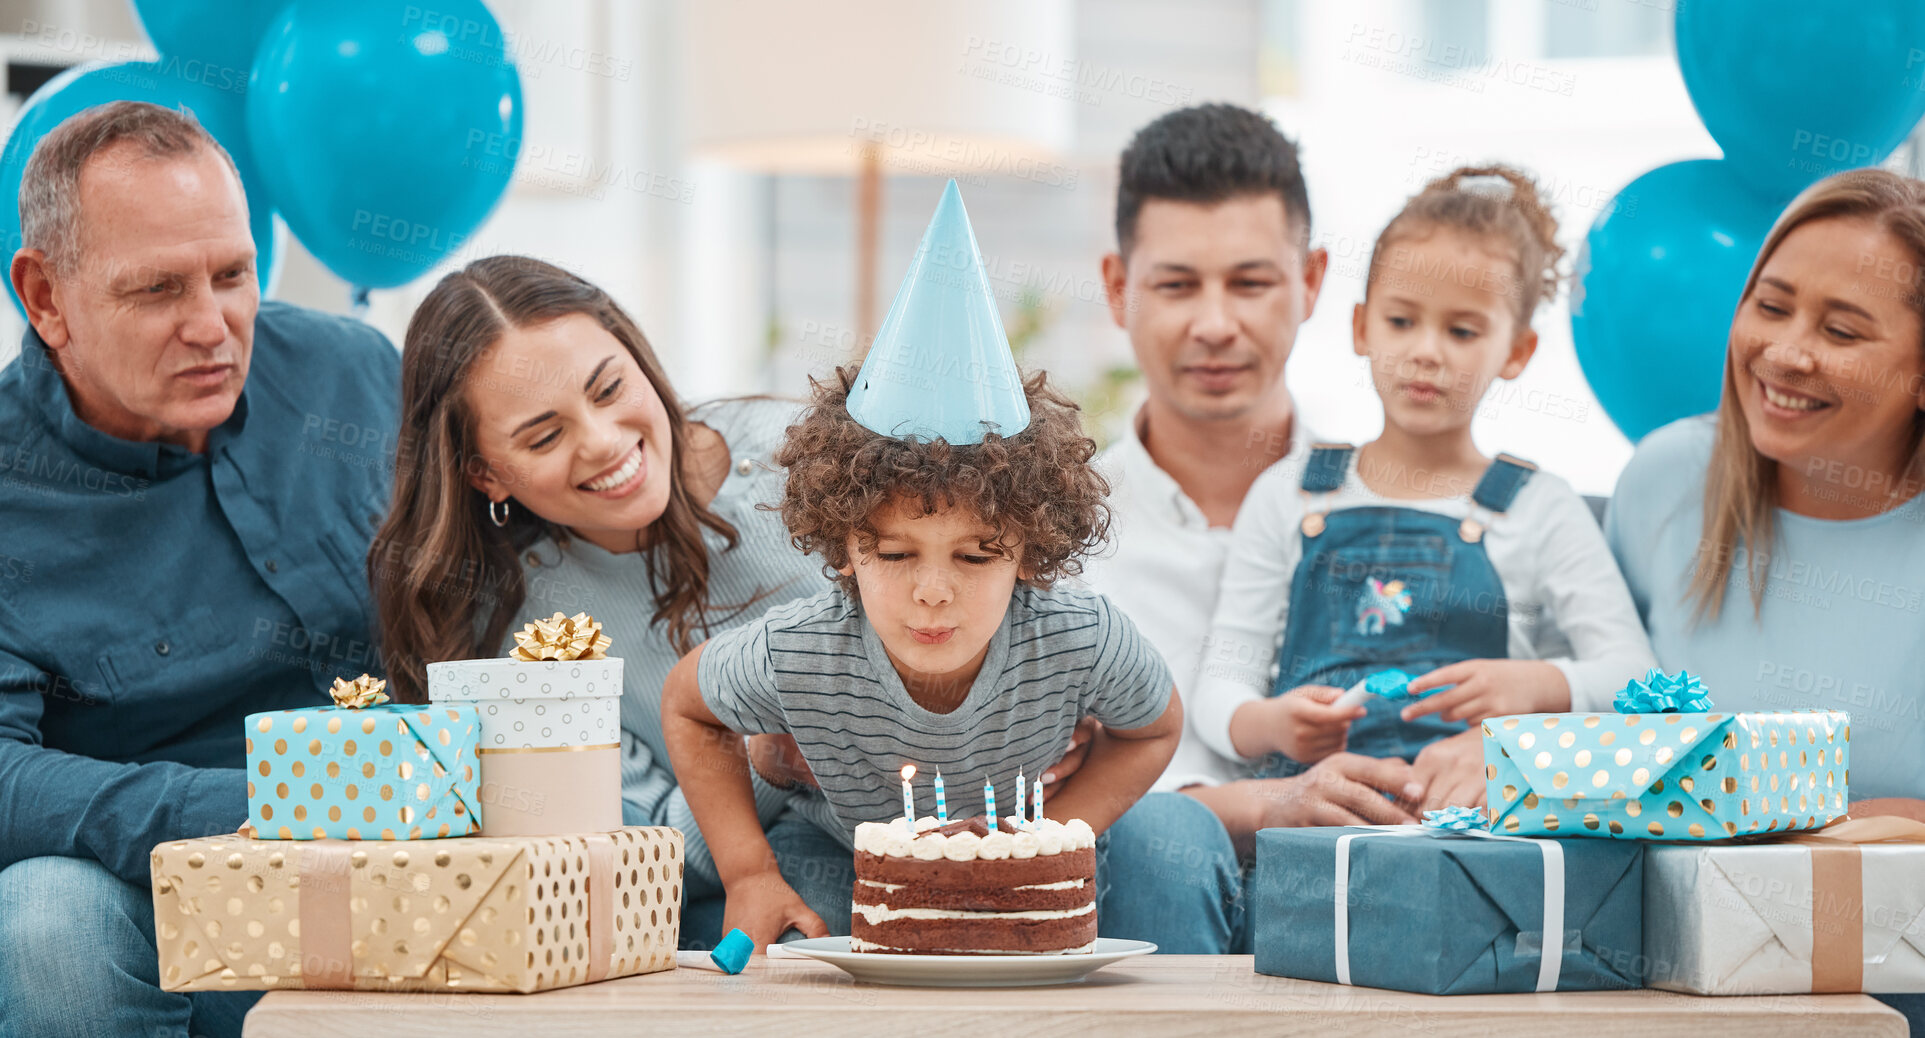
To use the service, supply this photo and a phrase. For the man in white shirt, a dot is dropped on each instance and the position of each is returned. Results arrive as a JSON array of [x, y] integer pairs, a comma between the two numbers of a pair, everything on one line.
[[1213, 275]]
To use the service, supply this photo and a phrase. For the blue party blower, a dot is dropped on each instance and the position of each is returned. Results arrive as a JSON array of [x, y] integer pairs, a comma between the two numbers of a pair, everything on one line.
[[1448, 908]]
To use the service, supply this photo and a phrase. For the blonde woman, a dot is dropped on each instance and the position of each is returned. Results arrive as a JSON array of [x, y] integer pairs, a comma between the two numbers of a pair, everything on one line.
[[1777, 547]]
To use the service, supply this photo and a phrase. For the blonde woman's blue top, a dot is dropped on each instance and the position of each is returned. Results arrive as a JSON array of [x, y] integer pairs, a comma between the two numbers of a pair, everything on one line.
[[1841, 626]]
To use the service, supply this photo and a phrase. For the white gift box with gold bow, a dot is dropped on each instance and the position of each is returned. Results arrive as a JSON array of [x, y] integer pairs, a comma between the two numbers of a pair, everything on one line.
[[550, 747]]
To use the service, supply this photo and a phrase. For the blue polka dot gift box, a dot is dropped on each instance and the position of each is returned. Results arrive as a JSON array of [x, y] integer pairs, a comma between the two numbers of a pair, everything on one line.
[[550, 714], [1666, 766], [364, 769]]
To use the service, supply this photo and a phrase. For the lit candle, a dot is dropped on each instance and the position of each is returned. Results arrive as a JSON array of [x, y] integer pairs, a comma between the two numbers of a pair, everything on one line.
[[1036, 802], [1017, 815], [989, 803], [908, 798], [942, 804]]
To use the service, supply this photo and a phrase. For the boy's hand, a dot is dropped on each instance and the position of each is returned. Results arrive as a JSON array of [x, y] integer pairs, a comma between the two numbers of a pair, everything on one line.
[[779, 761], [765, 907], [1491, 688], [1309, 728]]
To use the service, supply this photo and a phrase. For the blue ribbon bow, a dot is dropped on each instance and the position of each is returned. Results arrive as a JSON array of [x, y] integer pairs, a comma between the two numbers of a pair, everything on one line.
[[1661, 693], [1456, 819]]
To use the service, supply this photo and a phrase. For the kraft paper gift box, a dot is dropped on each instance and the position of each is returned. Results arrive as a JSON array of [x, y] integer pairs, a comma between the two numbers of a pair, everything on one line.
[[551, 729], [363, 770], [1840, 909], [1416, 909], [1670, 776], [476, 914]]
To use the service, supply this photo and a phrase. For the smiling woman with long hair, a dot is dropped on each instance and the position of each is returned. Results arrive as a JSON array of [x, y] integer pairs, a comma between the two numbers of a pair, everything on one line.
[[546, 464], [1777, 547]]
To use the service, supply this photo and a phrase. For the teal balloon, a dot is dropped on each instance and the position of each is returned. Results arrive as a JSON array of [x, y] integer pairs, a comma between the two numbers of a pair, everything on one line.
[[940, 366], [1795, 90], [387, 131], [1658, 280], [207, 39], [222, 112]]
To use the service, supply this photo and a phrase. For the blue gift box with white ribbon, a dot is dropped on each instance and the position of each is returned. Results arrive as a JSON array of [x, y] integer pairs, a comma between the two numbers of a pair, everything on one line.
[[1445, 912]]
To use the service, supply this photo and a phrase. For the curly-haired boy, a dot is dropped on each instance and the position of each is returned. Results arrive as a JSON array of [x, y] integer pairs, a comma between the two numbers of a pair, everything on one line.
[[946, 643]]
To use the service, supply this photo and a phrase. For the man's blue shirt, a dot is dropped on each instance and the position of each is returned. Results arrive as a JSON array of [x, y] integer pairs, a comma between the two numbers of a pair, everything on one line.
[[151, 597]]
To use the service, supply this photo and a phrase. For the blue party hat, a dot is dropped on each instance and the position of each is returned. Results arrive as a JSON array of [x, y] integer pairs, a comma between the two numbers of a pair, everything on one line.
[[940, 367]]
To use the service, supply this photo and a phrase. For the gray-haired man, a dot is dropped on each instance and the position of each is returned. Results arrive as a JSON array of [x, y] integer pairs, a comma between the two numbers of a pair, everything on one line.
[[189, 480]]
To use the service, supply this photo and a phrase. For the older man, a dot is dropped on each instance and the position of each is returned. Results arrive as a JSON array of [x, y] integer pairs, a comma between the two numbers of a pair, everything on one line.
[[189, 480]]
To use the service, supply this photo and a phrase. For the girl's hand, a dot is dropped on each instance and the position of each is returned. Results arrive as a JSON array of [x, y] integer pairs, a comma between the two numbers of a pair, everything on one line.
[[1079, 740], [1491, 688], [779, 761], [1309, 728], [765, 907]]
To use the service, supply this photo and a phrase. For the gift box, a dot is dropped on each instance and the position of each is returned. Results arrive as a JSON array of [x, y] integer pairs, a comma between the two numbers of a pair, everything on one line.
[[363, 770], [551, 727], [1446, 913], [476, 914], [1840, 909], [1670, 776]]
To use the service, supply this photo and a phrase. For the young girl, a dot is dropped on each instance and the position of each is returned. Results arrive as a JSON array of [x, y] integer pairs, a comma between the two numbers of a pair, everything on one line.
[[1486, 578]]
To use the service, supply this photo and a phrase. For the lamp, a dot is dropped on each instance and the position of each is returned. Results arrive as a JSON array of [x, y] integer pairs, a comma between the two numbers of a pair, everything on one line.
[[871, 86]]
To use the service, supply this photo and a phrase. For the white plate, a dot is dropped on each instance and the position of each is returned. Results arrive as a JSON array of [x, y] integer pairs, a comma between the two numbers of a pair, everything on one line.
[[967, 971]]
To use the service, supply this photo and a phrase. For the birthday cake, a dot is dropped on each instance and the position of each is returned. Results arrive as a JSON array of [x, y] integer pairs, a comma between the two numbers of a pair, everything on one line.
[[962, 889]]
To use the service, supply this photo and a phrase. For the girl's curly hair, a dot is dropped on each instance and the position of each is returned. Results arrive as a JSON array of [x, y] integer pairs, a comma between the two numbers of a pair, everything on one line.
[[1035, 488]]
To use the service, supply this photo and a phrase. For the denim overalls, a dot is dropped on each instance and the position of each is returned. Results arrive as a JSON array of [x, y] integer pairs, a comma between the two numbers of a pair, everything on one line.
[[1382, 587]]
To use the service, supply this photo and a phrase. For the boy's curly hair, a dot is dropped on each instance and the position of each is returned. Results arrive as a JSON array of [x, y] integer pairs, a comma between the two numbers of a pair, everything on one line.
[[1036, 487]]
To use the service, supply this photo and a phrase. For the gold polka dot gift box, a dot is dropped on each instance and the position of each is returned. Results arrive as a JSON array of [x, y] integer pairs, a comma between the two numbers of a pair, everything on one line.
[[1685, 775], [364, 769], [551, 728], [524, 914]]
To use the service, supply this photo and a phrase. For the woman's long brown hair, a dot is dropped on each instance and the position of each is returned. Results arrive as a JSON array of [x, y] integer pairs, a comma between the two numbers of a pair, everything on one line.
[[1741, 485], [446, 580]]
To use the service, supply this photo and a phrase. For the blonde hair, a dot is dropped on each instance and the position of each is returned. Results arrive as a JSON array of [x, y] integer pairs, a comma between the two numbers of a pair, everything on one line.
[[1510, 211], [1741, 485]]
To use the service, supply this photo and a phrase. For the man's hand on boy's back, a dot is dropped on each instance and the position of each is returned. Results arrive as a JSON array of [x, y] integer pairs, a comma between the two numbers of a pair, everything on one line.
[[765, 907], [1452, 771], [1079, 739], [780, 762]]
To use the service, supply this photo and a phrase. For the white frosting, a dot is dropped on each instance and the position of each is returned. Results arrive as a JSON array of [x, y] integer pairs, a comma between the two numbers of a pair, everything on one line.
[[890, 888], [962, 847], [1044, 837], [995, 846], [1068, 884], [883, 913]]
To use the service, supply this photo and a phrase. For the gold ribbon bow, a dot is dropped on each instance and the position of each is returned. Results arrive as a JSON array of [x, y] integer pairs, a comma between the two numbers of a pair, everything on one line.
[[559, 637], [363, 691]]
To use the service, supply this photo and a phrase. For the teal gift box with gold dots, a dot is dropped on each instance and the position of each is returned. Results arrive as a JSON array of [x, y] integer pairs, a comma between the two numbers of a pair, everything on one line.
[[362, 770], [1666, 776]]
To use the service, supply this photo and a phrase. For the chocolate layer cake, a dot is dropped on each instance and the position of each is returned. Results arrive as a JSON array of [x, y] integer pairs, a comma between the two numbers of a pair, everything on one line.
[[960, 889]]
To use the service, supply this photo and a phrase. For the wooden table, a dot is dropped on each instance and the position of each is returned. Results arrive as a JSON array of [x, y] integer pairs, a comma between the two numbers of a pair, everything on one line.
[[1208, 996]]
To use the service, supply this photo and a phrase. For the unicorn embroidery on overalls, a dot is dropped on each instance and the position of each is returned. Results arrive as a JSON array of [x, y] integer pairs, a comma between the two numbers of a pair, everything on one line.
[[1384, 604]]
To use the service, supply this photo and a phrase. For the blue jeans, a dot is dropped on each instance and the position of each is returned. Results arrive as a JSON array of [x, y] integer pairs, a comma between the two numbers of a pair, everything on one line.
[[1170, 876], [77, 958], [819, 867]]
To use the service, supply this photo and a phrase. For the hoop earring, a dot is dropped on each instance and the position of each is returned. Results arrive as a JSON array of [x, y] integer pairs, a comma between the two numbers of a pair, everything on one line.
[[498, 511]]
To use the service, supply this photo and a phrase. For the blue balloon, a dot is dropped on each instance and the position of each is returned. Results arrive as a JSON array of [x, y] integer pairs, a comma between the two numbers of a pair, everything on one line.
[[221, 112], [207, 39], [1794, 90], [387, 132], [1658, 280]]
